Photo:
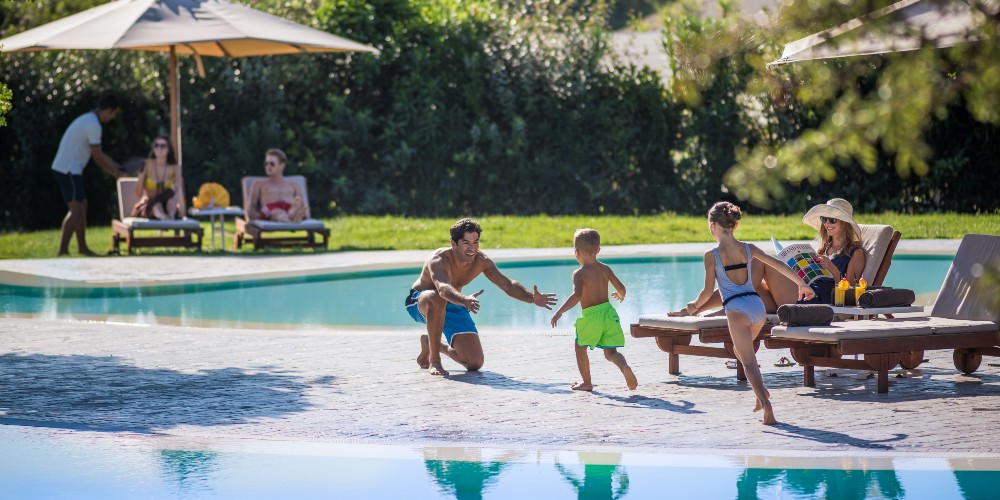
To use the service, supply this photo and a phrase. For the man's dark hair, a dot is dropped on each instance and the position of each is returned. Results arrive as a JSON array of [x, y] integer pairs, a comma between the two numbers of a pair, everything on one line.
[[107, 101], [465, 226]]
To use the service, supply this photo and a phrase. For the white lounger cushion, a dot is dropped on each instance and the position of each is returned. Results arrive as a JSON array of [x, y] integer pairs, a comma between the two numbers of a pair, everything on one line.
[[142, 223], [306, 225], [691, 323], [873, 329]]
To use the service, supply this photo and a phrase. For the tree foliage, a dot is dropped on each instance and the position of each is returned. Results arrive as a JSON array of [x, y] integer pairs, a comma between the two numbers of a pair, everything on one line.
[[929, 115], [484, 107]]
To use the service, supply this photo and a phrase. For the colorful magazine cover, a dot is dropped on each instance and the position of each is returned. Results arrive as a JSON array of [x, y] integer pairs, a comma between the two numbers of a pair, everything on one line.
[[802, 259]]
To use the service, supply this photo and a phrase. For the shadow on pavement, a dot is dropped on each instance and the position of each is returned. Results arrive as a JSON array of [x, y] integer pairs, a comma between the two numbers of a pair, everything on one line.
[[830, 437], [106, 394], [501, 381]]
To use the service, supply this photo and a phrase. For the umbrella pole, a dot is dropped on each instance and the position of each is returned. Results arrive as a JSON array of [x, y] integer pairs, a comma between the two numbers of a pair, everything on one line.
[[175, 105]]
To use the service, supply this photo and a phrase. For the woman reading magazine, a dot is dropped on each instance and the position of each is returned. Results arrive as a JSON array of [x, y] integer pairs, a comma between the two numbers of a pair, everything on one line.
[[839, 251]]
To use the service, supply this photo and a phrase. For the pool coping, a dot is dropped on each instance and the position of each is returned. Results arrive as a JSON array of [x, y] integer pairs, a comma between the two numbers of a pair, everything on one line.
[[191, 269]]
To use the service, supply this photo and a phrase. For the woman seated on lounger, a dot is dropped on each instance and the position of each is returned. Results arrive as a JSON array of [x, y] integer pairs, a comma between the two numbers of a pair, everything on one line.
[[839, 251], [161, 187]]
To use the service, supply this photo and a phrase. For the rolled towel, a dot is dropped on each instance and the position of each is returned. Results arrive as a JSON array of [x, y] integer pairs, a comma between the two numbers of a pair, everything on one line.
[[805, 314], [887, 297]]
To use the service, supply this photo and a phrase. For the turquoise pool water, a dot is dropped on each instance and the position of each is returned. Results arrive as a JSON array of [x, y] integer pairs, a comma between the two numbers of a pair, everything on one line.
[[51, 463], [374, 299]]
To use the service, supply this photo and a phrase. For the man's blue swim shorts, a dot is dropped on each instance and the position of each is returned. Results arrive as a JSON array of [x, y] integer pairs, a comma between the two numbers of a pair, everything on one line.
[[457, 319]]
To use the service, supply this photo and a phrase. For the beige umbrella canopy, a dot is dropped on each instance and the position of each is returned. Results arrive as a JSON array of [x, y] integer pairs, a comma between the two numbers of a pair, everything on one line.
[[902, 26], [216, 28]]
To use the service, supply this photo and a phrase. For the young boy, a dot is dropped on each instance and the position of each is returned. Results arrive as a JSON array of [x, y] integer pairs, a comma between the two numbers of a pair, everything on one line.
[[599, 325]]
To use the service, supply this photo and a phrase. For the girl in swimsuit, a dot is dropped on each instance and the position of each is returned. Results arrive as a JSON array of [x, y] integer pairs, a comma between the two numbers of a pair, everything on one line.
[[160, 189], [729, 265]]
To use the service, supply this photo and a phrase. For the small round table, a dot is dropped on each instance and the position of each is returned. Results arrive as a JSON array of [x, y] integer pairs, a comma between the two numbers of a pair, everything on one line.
[[217, 217]]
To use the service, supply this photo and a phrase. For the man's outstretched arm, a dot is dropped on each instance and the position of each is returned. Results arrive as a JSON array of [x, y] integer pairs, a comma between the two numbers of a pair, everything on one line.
[[517, 290]]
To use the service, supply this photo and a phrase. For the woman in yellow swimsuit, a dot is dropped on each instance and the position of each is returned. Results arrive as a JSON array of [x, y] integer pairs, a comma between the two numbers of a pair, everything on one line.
[[161, 187]]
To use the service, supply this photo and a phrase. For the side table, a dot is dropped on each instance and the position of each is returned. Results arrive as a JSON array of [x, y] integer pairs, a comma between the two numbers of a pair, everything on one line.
[[217, 218]]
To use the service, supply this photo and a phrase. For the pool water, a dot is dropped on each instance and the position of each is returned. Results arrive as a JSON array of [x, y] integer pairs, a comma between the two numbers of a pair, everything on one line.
[[46, 463], [375, 299]]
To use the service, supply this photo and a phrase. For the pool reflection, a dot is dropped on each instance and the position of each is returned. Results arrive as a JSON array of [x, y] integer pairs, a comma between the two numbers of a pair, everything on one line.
[[463, 472], [603, 475], [874, 479]]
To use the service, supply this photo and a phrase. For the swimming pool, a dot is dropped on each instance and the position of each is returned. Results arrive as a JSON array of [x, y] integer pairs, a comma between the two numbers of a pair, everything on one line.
[[374, 299], [44, 463]]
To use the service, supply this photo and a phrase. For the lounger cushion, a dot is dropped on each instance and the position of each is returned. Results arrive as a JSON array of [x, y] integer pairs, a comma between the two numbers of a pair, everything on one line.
[[873, 329], [949, 326], [691, 323], [863, 329], [306, 225], [142, 223], [875, 240], [967, 292]]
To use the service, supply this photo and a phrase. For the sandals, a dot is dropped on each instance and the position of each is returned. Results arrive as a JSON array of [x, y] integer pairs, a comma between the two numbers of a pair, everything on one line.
[[731, 364], [783, 362]]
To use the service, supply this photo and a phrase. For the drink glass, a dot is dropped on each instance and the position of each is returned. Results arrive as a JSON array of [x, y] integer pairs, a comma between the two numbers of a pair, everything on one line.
[[838, 296]]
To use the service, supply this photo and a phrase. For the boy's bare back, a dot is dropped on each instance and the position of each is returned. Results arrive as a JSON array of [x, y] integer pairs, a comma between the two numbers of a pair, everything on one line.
[[594, 278]]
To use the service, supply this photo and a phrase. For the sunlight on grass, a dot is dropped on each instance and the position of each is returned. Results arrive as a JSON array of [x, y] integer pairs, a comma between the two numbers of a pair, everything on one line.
[[537, 231]]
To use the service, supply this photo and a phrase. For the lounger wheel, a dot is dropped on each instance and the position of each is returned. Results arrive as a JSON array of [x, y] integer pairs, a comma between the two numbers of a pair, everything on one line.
[[967, 362], [911, 359]]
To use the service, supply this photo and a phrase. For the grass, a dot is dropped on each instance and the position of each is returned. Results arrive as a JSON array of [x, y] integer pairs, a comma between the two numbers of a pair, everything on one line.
[[538, 231]]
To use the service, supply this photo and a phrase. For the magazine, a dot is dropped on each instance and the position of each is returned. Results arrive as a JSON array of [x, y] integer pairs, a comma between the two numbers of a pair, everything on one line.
[[802, 259]]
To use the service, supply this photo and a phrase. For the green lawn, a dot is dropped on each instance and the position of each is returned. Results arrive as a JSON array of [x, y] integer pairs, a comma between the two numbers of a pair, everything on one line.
[[541, 231]]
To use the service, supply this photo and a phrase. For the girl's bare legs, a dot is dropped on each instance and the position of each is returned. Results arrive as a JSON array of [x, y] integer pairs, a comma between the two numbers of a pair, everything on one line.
[[780, 290], [158, 212], [612, 355], [743, 334], [583, 363]]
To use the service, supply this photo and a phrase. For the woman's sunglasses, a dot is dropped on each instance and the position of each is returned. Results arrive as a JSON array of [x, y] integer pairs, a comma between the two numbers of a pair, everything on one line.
[[828, 220], [160, 145]]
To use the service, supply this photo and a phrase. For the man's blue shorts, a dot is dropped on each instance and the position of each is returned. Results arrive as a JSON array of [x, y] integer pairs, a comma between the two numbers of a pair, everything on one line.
[[457, 319]]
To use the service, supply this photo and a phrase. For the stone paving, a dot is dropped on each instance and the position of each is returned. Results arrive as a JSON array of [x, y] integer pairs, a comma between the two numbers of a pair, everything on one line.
[[327, 385], [318, 386]]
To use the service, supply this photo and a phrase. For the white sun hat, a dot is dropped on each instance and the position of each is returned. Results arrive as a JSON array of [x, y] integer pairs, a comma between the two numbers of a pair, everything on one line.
[[837, 208]]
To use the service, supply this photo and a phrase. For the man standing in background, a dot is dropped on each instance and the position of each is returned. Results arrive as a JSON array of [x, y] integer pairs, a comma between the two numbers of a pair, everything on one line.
[[80, 143]]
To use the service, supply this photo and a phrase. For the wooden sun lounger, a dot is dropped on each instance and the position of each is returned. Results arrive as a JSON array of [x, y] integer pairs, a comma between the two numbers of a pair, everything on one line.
[[965, 318], [183, 233], [310, 233], [674, 334]]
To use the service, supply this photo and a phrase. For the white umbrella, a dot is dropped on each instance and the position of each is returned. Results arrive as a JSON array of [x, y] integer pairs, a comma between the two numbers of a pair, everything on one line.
[[902, 26], [199, 27]]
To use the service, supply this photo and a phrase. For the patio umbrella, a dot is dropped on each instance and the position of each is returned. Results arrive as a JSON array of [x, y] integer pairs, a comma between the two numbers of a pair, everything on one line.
[[902, 26], [215, 28]]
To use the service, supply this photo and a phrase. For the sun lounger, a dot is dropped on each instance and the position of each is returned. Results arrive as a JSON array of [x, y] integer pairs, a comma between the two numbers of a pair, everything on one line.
[[184, 233], [264, 233], [674, 334], [964, 318]]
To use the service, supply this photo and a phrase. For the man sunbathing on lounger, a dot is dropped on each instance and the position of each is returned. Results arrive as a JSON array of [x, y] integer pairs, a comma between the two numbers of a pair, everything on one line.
[[436, 299], [276, 198]]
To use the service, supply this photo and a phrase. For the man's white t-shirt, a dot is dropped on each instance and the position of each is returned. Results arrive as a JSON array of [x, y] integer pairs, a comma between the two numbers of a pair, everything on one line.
[[74, 148]]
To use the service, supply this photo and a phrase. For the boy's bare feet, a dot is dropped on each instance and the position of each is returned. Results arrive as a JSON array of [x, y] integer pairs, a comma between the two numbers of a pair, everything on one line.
[[437, 369], [425, 353], [581, 386], [630, 379]]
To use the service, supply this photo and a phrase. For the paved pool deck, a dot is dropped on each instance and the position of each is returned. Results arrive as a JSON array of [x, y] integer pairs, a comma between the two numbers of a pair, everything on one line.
[[327, 386]]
